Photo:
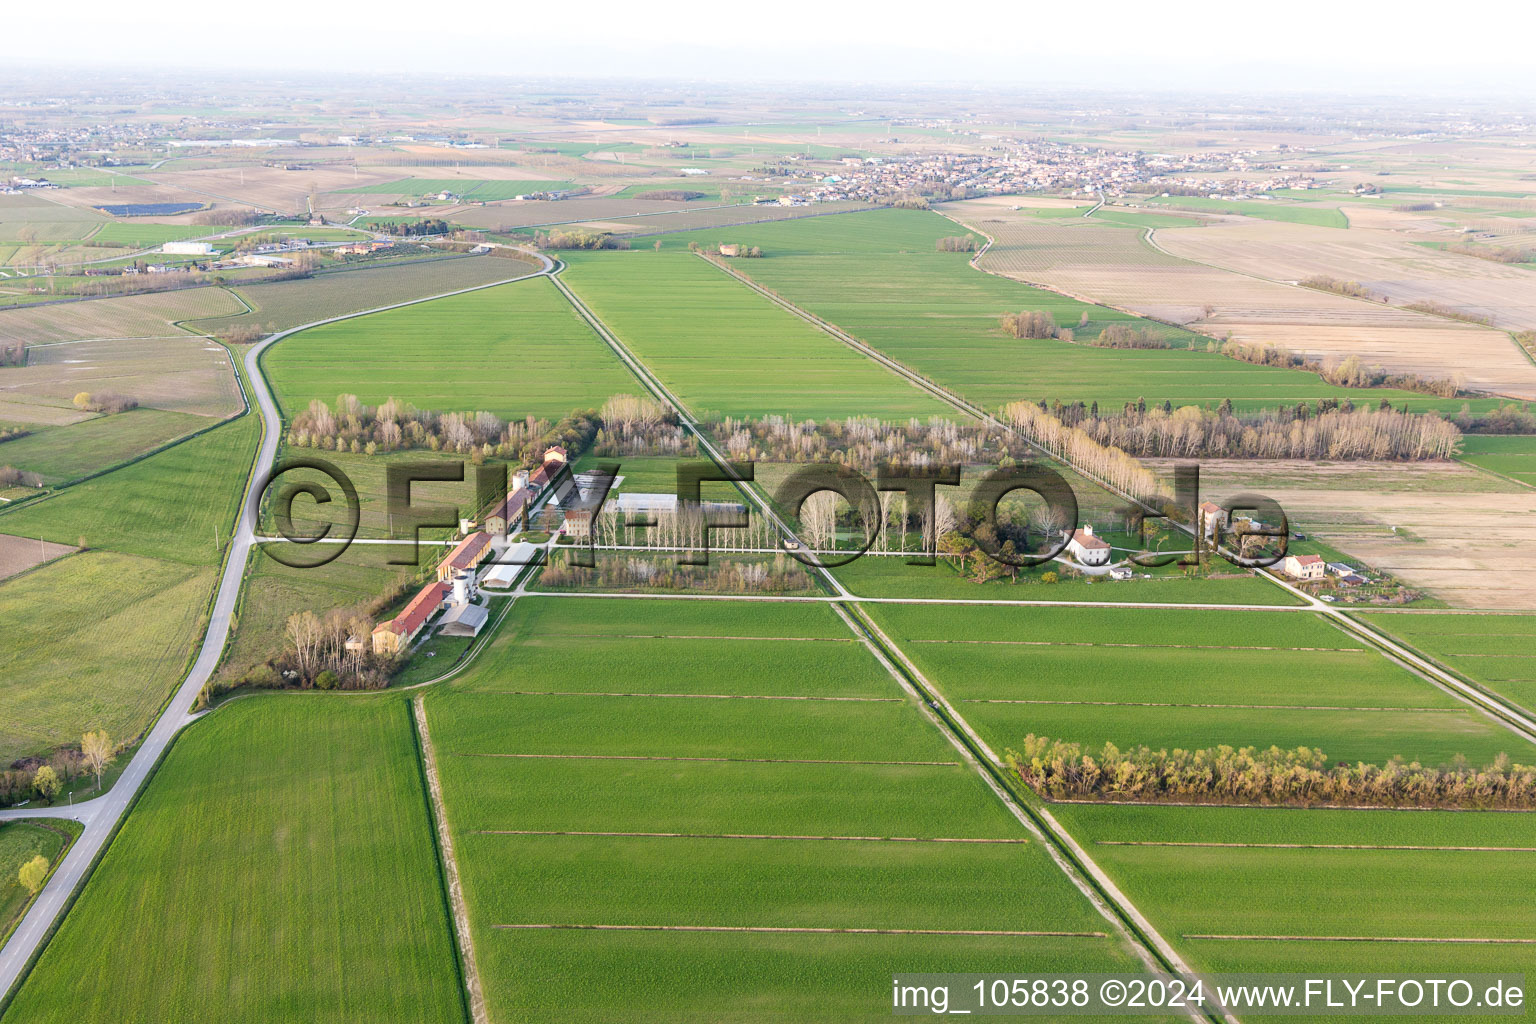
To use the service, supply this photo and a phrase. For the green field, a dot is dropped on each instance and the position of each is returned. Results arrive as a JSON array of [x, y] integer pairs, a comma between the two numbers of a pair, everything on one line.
[[891, 576], [1136, 219], [470, 188], [110, 647], [876, 275], [1512, 455], [516, 350], [1497, 651], [178, 504], [1428, 894], [274, 591], [281, 305], [722, 348], [143, 235], [20, 841], [693, 879], [1188, 679], [100, 638], [280, 867], [1315, 215], [66, 453]]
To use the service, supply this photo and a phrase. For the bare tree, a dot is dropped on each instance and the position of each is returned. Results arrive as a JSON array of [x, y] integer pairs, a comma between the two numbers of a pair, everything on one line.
[[97, 749]]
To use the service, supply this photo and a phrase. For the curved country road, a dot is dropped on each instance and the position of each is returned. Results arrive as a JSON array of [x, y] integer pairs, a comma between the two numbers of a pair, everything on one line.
[[101, 815]]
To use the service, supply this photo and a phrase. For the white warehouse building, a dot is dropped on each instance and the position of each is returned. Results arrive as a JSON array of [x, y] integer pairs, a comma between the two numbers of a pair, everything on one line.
[[188, 249]]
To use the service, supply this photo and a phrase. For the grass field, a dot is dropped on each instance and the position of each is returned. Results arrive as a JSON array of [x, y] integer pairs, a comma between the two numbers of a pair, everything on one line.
[[1188, 679], [877, 276], [722, 348], [1494, 650], [890, 576], [274, 591], [517, 350], [1244, 891], [1290, 213], [20, 841], [178, 504], [552, 874], [470, 188], [65, 453], [145, 235], [284, 304], [279, 866], [109, 649], [126, 316], [1513, 456], [121, 617]]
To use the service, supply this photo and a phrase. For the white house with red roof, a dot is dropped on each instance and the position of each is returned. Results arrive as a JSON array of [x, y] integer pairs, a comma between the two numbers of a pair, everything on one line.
[[1088, 549], [1304, 567]]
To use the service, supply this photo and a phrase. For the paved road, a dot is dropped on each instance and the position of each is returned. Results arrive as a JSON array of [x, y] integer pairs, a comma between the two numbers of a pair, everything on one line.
[[101, 815]]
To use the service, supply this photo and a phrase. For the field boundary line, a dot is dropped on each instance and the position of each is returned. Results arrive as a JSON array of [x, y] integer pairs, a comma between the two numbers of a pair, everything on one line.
[[705, 636], [1090, 879], [1315, 846], [1177, 647], [784, 930], [693, 696], [716, 760], [1158, 704], [1428, 939], [962, 601], [1289, 807], [456, 900], [734, 835]]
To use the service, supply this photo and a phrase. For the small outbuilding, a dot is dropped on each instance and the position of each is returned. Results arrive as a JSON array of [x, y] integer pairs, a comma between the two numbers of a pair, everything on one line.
[[464, 620]]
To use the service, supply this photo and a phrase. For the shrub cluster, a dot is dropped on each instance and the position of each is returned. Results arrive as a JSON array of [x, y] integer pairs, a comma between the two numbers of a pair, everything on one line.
[[13, 353], [1348, 373], [1031, 324], [104, 402], [1324, 283], [1126, 336], [1301, 777], [956, 243], [674, 194]]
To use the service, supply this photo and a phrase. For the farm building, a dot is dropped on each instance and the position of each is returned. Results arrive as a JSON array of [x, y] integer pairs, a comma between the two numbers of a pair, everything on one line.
[[188, 249], [464, 617], [1211, 518], [578, 523], [469, 553], [1088, 549], [501, 575], [393, 636], [1304, 567], [464, 620]]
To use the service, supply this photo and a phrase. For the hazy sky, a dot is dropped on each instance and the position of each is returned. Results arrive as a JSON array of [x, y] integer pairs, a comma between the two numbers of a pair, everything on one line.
[[1407, 44]]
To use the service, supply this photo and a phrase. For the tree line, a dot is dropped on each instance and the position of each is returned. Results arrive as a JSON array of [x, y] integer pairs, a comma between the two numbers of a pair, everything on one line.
[[1332, 432], [39, 778], [1350, 372], [781, 575], [1302, 777], [395, 425], [576, 239]]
